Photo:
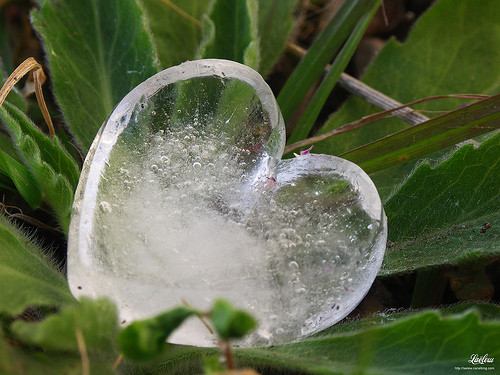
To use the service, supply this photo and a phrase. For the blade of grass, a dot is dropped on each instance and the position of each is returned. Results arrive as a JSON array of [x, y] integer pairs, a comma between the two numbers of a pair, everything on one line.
[[422, 139], [373, 118], [308, 118], [321, 52]]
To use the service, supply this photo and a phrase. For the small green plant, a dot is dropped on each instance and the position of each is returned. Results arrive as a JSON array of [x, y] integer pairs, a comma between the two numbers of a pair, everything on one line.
[[145, 340]]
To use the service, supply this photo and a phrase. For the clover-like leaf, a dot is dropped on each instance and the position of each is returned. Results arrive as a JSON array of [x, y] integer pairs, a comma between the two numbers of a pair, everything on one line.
[[231, 323], [144, 340]]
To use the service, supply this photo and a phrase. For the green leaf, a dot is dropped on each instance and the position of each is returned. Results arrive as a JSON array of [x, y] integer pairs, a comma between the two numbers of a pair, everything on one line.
[[436, 216], [486, 311], [50, 151], [230, 323], [7, 146], [422, 139], [430, 342], [275, 23], [145, 340], [175, 36], [212, 365], [27, 275], [16, 360], [54, 170], [319, 55], [96, 321], [229, 32], [424, 343], [22, 178], [98, 51], [427, 65]]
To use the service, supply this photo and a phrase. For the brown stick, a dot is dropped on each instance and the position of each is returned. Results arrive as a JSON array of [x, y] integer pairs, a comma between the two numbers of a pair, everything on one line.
[[27, 66], [372, 96], [229, 355]]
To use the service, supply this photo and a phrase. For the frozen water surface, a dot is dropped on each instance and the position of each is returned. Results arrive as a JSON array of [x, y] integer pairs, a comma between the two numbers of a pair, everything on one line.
[[183, 197]]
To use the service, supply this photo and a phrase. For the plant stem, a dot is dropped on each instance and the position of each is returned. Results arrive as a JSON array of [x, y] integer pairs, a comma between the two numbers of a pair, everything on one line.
[[229, 355]]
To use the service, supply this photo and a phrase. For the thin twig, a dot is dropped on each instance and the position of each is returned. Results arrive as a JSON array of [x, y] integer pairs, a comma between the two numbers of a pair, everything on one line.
[[229, 355], [372, 96], [181, 12], [83, 352], [384, 14], [368, 119], [118, 361], [27, 66], [35, 222], [203, 321], [21, 216]]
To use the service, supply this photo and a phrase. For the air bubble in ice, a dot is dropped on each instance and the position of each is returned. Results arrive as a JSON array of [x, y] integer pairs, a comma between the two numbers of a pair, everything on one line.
[[176, 204], [105, 207]]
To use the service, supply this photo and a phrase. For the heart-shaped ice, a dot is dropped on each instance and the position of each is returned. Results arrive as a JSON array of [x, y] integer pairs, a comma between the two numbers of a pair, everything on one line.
[[183, 198]]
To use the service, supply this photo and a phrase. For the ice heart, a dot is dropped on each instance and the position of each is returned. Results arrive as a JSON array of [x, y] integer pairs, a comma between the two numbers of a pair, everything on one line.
[[183, 197]]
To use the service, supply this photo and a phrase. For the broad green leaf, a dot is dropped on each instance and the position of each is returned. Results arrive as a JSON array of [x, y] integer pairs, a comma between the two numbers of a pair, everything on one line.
[[22, 178], [436, 216], [54, 170], [431, 342], [96, 321], [486, 311], [229, 32], [275, 23], [319, 55], [98, 51], [175, 34], [27, 275], [16, 360], [440, 57], [424, 343], [422, 139]]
